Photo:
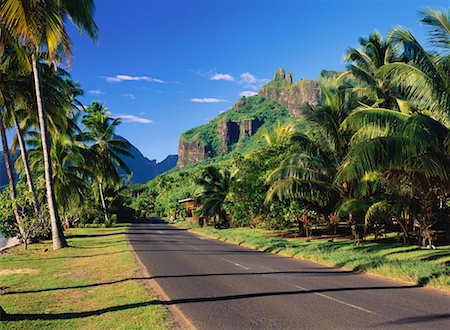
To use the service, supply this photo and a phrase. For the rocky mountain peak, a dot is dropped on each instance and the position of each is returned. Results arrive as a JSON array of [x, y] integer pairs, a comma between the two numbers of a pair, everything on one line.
[[279, 75], [296, 97]]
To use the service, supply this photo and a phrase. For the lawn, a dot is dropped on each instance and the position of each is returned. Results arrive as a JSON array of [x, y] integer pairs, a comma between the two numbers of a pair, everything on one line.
[[93, 284], [406, 263]]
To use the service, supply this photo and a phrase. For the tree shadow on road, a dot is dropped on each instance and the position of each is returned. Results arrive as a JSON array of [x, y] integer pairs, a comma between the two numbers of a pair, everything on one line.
[[72, 315], [193, 276], [416, 319]]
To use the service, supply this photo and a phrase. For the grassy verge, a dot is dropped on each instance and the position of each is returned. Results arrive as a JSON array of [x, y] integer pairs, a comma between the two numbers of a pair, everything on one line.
[[406, 263], [94, 284]]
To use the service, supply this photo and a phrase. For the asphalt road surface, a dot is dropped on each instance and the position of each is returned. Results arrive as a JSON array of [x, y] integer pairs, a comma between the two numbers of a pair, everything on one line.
[[216, 285]]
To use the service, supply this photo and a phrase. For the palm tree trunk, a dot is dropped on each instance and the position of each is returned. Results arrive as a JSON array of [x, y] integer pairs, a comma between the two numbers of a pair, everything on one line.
[[9, 173], [58, 239], [26, 166], [102, 198]]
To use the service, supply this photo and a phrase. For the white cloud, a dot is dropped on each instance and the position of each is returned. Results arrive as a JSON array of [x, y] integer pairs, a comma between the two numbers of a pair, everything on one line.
[[222, 76], [248, 93], [207, 100], [248, 80], [132, 119], [141, 113], [122, 77], [95, 92], [129, 96]]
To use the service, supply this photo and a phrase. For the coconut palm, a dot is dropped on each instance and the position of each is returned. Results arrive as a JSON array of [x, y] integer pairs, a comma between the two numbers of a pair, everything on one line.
[[105, 150], [409, 144], [309, 175], [365, 62], [280, 133], [38, 25], [215, 184], [15, 87], [411, 147], [424, 77], [69, 173]]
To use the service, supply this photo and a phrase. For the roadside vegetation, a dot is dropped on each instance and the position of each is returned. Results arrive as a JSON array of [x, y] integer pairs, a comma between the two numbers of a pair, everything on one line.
[[94, 284]]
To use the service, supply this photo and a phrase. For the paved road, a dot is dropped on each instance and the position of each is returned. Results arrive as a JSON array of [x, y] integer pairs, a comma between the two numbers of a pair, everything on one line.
[[221, 286]]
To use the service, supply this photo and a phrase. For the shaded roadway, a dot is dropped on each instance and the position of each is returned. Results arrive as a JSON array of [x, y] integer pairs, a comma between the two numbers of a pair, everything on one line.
[[216, 285]]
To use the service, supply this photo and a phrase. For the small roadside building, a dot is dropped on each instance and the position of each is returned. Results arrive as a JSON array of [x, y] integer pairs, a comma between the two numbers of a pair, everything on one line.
[[190, 204]]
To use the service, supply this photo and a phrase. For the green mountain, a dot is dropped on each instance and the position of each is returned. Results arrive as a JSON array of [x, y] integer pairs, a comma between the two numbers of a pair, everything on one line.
[[241, 127]]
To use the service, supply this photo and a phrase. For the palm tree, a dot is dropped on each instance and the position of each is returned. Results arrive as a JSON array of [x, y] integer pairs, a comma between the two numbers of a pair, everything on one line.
[[69, 173], [400, 145], [309, 175], [14, 90], [105, 150], [280, 133], [365, 63], [410, 144], [424, 77], [215, 184], [40, 24]]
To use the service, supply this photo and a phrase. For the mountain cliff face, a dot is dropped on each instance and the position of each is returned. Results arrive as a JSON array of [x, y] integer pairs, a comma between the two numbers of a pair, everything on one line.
[[296, 97], [190, 152]]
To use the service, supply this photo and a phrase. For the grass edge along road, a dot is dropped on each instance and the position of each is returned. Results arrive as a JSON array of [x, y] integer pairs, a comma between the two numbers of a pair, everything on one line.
[[94, 284], [412, 264]]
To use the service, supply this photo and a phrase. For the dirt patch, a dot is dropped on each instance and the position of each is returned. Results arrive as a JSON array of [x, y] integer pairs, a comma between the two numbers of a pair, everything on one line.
[[18, 271]]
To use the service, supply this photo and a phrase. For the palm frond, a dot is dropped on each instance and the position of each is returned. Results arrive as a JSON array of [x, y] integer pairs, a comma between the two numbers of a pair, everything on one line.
[[438, 23]]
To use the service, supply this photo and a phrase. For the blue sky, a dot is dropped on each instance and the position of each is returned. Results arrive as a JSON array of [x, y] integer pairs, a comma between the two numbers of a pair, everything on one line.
[[167, 66]]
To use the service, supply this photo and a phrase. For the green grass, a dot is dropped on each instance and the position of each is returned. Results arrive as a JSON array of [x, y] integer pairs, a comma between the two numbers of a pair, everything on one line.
[[406, 263], [93, 284]]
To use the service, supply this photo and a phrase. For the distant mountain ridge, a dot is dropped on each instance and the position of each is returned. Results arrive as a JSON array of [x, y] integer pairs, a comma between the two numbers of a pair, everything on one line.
[[144, 169]]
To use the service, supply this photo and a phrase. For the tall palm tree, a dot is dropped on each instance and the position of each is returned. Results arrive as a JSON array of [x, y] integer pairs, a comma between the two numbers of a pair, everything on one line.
[[15, 89], [40, 24], [408, 144], [215, 184], [106, 148]]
